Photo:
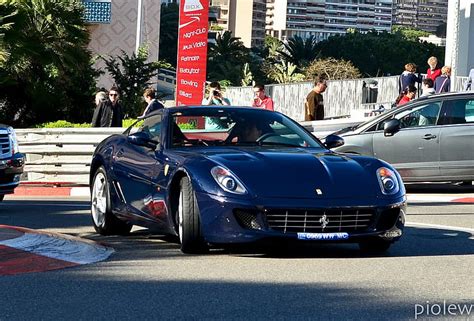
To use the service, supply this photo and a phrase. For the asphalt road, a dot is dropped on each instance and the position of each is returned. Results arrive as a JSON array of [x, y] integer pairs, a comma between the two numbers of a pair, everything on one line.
[[149, 279]]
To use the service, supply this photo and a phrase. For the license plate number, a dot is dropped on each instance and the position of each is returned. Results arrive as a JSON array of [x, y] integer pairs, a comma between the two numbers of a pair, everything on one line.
[[323, 236]]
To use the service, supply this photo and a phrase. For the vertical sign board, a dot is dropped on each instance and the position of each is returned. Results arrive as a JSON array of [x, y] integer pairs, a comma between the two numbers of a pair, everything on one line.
[[192, 51]]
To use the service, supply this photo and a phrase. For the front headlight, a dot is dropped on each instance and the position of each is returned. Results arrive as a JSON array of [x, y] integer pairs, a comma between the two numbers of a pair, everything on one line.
[[388, 181], [227, 180], [14, 140]]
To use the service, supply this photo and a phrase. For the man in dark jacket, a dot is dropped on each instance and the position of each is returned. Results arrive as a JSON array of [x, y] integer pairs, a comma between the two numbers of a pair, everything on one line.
[[153, 103], [108, 113]]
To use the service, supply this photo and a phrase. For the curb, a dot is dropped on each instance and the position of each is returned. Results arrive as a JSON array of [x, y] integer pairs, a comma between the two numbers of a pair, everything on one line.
[[24, 250], [52, 190]]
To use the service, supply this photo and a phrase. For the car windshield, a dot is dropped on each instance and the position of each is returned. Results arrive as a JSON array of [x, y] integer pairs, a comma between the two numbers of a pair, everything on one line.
[[211, 126]]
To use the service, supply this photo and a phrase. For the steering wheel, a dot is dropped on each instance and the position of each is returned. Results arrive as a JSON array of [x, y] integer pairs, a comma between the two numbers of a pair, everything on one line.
[[265, 136]]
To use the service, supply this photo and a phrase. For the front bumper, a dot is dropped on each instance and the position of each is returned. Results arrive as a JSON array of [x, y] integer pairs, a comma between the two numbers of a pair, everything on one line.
[[230, 220], [10, 171]]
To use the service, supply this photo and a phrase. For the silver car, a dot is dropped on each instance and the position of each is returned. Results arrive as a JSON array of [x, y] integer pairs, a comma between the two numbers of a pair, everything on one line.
[[430, 139]]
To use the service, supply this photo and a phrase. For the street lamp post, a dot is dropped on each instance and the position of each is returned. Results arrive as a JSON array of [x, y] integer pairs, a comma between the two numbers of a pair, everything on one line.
[[139, 26]]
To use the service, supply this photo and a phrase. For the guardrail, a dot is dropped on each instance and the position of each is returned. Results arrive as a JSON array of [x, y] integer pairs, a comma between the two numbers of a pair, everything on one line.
[[60, 155]]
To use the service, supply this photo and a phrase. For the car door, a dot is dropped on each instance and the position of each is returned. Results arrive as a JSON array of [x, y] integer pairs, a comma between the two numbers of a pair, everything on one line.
[[457, 140], [414, 150], [136, 169]]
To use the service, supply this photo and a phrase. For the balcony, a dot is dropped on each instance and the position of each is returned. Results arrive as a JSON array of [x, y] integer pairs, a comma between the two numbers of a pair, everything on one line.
[[97, 11]]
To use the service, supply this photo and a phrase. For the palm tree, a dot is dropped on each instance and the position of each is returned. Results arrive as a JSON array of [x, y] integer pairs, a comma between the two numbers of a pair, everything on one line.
[[226, 58], [47, 67], [300, 51], [169, 32], [285, 72]]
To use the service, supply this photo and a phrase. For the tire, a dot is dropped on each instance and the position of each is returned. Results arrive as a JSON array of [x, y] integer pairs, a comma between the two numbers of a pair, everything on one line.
[[188, 220], [1, 197], [105, 223], [375, 246]]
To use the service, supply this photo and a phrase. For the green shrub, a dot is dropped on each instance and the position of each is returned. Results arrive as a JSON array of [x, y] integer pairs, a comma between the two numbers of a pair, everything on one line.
[[129, 122], [62, 124], [187, 126]]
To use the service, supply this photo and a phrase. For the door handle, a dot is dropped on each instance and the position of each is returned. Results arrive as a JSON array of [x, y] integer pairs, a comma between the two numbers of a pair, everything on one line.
[[429, 136]]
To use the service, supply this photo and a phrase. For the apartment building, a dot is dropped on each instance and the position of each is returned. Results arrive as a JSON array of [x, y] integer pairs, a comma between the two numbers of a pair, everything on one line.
[[113, 27], [325, 18], [421, 14], [245, 18]]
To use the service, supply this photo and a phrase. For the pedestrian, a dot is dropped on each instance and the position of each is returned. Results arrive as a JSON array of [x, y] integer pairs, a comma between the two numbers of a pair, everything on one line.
[[427, 87], [470, 80], [443, 83], [215, 96], [408, 77], [100, 96], [153, 103], [108, 112], [314, 105], [433, 71], [261, 100], [407, 95]]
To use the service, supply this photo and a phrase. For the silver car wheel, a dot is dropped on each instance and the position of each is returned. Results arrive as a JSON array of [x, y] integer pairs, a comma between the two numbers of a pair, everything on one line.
[[99, 200]]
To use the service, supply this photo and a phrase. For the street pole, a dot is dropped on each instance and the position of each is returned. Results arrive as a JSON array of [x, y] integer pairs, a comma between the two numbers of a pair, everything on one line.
[[139, 27]]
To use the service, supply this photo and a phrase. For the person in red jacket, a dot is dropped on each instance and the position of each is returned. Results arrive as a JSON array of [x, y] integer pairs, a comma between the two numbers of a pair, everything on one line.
[[407, 95], [434, 71], [261, 100]]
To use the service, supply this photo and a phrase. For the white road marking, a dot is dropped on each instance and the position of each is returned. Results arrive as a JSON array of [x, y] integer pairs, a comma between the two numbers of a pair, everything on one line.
[[442, 227]]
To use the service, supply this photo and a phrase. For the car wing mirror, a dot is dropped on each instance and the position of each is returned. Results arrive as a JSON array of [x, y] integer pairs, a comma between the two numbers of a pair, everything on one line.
[[333, 141], [391, 127], [142, 139]]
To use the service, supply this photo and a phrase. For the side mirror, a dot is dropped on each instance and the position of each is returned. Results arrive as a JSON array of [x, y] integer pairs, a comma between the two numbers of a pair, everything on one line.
[[142, 139], [391, 127], [333, 141]]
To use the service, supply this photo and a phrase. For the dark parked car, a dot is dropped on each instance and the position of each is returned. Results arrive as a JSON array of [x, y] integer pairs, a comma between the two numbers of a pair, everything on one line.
[[214, 175], [428, 140], [11, 161]]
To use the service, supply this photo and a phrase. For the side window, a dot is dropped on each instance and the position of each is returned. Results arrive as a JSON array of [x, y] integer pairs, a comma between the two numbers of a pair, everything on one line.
[[459, 111], [424, 115], [152, 126]]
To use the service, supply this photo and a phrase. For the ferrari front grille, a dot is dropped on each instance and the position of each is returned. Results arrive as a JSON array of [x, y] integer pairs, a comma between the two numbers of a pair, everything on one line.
[[4, 145], [319, 220]]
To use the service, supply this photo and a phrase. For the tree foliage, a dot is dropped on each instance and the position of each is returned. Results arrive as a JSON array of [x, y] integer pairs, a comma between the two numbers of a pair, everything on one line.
[[377, 54], [332, 69], [169, 33], [226, 58], [411, 34], [285, 72], [299, 51], [133, 74], [46, 71]]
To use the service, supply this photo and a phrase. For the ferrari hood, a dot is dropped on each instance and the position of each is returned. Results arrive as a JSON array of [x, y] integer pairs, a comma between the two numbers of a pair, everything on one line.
[[300, 173]]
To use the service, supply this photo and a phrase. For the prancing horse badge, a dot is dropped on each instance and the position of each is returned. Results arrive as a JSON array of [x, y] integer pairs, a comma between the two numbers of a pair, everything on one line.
[[319, 192]]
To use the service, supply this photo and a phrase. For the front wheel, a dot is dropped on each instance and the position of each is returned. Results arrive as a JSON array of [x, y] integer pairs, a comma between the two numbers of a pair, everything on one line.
[[105, 223], [374, 246], [189, 224]]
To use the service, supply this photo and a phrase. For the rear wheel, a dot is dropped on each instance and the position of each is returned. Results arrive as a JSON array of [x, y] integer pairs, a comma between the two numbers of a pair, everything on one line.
[[105, 223], [189, 223], [374, 246]]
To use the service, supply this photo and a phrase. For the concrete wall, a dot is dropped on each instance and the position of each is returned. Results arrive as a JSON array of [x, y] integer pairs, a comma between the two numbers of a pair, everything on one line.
[[120, 34]]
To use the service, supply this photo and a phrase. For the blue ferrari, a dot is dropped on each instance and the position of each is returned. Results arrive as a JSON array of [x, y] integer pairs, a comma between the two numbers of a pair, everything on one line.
[[218, 175]]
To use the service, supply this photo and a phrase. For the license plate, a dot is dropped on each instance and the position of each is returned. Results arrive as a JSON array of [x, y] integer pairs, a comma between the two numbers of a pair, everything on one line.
[[323, 236]]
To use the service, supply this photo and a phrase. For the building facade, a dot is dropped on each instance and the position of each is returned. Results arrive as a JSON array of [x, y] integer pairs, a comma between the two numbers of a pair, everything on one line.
[[113, 28], [426, 15], [325, 18], [244, 18]]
